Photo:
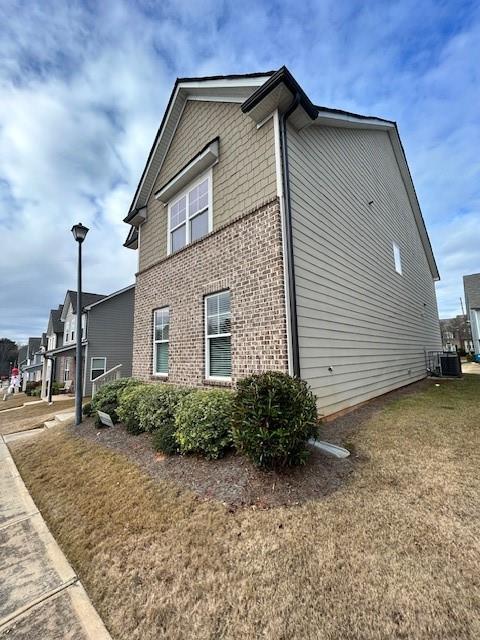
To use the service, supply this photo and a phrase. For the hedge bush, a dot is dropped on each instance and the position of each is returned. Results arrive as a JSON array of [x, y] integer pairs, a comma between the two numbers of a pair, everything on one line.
[[107, 397], [87, 409], [274, 416], [128, 407], [158, 406], [203, 423], [165, 439], [30, 386]]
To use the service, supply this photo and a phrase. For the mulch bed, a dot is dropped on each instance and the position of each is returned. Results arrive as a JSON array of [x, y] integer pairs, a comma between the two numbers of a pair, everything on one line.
[[233, 480]]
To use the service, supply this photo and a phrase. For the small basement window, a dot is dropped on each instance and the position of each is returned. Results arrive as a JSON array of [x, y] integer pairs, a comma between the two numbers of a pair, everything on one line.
[[98, 367], [161, 332], [218, 361], [397, 258]]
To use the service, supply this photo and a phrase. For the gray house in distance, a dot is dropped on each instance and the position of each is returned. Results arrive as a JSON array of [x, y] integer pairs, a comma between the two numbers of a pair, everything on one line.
[[107, 327], [273, 233], [471, 285]]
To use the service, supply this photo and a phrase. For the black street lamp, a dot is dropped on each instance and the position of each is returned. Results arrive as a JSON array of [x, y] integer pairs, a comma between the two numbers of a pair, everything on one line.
[[79, 233]]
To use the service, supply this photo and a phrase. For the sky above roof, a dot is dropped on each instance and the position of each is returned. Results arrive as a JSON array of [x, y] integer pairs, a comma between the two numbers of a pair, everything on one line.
[[83, 86]]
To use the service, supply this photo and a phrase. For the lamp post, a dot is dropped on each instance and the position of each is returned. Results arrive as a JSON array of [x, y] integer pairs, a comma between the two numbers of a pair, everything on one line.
[[79, 233]]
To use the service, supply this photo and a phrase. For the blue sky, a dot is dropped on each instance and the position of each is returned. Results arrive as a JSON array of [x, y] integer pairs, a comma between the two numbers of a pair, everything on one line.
[[83, 86]]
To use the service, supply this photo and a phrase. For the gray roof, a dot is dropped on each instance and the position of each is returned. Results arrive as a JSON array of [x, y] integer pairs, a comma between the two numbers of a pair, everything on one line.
[[22, 354], [87, 299], [56, 318], [471, 285], [33, 346]]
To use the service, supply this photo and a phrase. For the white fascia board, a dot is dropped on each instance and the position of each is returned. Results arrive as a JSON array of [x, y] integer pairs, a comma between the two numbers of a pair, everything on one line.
[[139, 217], [196, 167], [224, 83], [348, 121]]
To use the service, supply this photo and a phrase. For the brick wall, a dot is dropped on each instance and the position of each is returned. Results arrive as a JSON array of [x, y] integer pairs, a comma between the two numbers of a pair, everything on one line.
[[244, 256], [244, 176]]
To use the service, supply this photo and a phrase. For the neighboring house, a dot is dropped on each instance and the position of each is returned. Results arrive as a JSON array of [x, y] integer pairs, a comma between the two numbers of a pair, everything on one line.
[[51, 369], [456, 335], [110, 336], [471, 285], [64, 353], [107, 331], [32, 370], [276, 234], [22, 357]]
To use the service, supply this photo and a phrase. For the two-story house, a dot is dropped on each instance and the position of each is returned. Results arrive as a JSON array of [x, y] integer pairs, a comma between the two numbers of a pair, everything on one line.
[[32, 370], [273, 233], [107, 333]]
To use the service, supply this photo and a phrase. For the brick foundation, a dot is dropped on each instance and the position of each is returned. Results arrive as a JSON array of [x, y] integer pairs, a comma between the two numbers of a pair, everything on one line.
[[245, 256]]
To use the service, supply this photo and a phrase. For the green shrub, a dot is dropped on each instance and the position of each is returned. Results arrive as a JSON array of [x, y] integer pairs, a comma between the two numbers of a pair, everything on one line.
[[274, 416], [36, 392], [203, 423], [107, 397], [87, 409], [158, 406], [165, 439], [56, 387], [128, 407], [30, 386]]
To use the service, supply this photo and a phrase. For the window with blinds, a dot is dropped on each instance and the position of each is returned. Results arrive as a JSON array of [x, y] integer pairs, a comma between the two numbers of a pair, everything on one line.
[[160, 341], [218, 352]]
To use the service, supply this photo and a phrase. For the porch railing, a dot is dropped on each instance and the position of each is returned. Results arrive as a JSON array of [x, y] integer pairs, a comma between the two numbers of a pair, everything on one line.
[[109, 376]]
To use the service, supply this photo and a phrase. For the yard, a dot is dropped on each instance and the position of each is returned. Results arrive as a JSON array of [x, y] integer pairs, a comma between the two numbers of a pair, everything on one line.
[[31, 416], [15, 400], [387, 549]]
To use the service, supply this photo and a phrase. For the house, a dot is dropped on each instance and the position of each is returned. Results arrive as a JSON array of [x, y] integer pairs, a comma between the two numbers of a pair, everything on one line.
[[32, 369], [471, 286], [456, 335], [22, 357], [107, 330], [276, 234], [52, 372]]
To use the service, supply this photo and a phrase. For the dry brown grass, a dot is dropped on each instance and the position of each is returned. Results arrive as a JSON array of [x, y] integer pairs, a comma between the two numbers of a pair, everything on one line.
[[15, 400], [392, 554], [32, 416]]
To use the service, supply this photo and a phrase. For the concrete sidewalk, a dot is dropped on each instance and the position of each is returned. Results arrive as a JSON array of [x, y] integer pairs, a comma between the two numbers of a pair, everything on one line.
[[40, 594]]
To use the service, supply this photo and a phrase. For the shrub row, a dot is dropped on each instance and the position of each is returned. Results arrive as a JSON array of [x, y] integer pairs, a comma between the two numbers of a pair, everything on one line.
[[269, 418]]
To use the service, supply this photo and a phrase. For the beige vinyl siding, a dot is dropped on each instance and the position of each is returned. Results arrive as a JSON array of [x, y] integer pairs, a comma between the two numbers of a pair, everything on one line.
[[243, 178], [356, 314]]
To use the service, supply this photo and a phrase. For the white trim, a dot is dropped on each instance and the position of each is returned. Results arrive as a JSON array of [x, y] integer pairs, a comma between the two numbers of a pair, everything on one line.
[[155, 373], [97, 368], [206, 98], [227, 83], [345, 120], [265, 120], [149, 195], [280, 194], [198, 166], [184, 193], [208, 336], [397, 258]]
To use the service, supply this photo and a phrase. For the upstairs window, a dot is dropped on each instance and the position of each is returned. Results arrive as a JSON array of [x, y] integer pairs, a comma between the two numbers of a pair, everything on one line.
[[397, 258], [218, 352], [189, 215], [161, 330]]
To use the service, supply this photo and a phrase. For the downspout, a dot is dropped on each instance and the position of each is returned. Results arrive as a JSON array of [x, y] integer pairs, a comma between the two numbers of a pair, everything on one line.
[[292, 311]]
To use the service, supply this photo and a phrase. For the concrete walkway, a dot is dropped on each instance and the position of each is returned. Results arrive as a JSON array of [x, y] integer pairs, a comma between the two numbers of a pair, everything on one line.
[[40, 594], [470, 367]]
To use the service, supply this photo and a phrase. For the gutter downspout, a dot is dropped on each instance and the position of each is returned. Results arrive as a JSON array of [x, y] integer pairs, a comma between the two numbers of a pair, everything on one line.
[[292, 311]]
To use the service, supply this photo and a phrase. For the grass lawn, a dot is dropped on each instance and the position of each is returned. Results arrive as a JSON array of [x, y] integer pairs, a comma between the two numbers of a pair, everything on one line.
[[32, 416], [15, 400], [394, 552]]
